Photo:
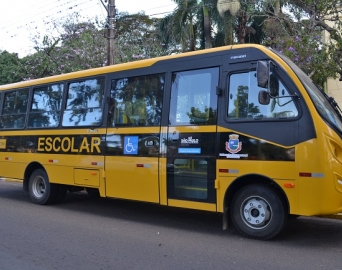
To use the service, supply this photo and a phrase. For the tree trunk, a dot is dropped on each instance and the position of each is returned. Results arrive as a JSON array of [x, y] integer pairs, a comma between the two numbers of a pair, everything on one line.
[[207, 28], [192, 37], [241, 28]]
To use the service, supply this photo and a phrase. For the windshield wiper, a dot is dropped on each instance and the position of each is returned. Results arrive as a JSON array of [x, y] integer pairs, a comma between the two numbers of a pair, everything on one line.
[[332, 101], [334, 104]]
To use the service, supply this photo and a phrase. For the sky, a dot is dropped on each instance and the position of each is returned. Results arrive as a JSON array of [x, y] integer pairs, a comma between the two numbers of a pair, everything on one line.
[[20, 20]]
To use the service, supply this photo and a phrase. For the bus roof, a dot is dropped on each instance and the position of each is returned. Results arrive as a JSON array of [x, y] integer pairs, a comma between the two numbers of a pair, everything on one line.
[[122, 67]]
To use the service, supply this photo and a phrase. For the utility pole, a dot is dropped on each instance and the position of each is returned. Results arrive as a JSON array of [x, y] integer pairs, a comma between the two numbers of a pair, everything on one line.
[[111, 32]]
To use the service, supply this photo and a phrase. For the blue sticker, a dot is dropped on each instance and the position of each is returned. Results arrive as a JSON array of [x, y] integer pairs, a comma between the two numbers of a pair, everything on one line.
[[131, 145], [189, 150]]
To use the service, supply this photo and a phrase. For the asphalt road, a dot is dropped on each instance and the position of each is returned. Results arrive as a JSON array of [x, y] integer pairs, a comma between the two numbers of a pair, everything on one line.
[[82, 233]]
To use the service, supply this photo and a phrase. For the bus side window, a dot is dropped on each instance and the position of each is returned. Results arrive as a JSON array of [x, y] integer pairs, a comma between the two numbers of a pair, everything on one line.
[[14, 109], [193, 97], [243, 102], [84, 105], [46, 106], [136, 101]]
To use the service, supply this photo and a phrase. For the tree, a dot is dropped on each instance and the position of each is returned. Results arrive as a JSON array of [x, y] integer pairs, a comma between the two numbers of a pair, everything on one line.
[[323, 15], [242, 11], [137, 37], [79, 45], [299, 35], [188, 27], [179, 27], [206, 27], [75, 46], [10, 68]]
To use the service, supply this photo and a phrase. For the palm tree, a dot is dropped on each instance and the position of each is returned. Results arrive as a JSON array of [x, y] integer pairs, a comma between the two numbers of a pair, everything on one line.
[[242, 13], [183, 26], [234, 7], [206, 26]]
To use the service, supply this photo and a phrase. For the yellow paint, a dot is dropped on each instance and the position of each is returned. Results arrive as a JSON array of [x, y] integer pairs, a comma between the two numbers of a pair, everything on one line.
[[163, 181], [3, 143], [125, 179], [192, 205], [88, 178]]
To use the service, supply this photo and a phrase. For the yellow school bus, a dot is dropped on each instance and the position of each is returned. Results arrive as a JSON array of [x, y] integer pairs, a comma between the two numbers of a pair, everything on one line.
[[238, 130]]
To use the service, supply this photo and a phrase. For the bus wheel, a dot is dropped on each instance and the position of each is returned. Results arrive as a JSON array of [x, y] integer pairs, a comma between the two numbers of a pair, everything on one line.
[[258, 212], [40, 189]]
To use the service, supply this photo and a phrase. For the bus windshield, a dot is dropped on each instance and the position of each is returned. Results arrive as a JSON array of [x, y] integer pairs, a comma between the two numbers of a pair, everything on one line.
[[325, 105]]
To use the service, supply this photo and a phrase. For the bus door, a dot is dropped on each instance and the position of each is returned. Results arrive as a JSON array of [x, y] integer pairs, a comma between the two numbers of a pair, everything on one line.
[[259, 127], [191, 139], [133, 138]]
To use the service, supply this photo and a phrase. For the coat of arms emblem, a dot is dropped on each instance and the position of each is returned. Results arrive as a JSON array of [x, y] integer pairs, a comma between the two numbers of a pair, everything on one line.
[[233, 146]]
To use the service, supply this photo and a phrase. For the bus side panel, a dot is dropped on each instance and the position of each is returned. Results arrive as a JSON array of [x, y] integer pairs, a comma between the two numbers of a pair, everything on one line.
[[134, 178], [10, 167], [237, 170], [162, 181], [318, 176]]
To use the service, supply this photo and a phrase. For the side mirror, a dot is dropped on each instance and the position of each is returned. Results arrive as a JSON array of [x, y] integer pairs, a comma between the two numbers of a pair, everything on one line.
[[264, 97], [263, 73]]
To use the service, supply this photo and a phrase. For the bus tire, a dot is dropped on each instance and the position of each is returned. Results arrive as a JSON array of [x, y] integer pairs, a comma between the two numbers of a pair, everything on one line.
[[258, 212], [40, 189]]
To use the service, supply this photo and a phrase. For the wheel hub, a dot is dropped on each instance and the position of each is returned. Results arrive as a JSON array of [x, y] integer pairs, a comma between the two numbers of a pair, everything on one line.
[[256, 213], [38, 187]]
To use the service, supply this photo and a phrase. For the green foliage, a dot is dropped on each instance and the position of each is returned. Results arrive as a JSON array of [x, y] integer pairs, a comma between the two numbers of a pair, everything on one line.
[[304, 37], [77, 46], [293, 27], [10, 68], [137, 37], [82, 45], [179, 28]]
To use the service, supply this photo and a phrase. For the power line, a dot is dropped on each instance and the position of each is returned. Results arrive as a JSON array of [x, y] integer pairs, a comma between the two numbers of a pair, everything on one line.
[[161, 13], [36, 24], [11, 30], [25, 18], [159, 7], [60, 9]]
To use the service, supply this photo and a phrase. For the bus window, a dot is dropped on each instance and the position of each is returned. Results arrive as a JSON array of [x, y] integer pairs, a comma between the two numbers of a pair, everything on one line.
[[193, 97], [84, 103], [244, 104], [136, 101], [192, 182], [14, 110], [46, 106]]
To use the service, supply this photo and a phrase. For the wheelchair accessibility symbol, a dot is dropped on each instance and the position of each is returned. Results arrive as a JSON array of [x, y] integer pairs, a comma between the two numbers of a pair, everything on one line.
[[131, 145]]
